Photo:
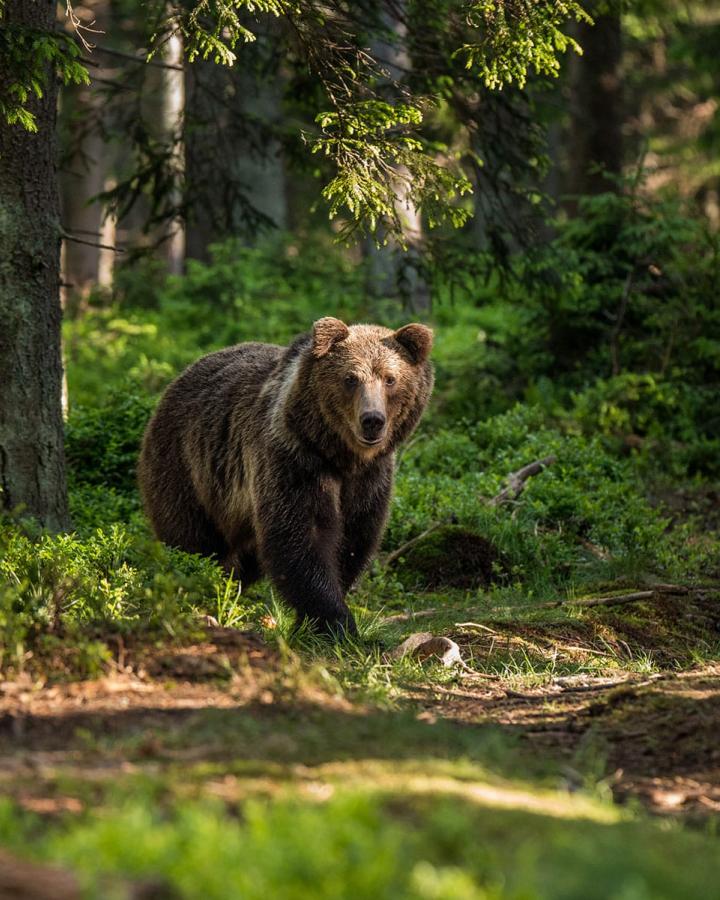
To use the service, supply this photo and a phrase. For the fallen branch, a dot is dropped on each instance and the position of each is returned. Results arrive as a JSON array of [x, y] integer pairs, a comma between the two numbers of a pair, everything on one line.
[[513, 489], [614, 600], [515, 481], [396, 554], [476, 625], [447, 692], [419, 614], [519, 695], [609, 685], [678, 590]]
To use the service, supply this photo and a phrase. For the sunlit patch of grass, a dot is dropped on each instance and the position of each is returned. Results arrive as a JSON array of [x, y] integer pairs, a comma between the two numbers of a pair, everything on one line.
[[231, 611], [389, 835]]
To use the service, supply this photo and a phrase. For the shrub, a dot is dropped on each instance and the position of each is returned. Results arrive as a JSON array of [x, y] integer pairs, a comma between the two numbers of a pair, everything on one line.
[[54, 586], [588, 495], [102, 442]]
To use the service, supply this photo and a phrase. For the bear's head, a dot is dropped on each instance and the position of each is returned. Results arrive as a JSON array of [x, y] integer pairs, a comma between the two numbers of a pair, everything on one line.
[[372, 384]]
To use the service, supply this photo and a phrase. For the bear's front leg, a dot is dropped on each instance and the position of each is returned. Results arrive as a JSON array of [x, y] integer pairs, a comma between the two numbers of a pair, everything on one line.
[[299, 535], [365, 505]]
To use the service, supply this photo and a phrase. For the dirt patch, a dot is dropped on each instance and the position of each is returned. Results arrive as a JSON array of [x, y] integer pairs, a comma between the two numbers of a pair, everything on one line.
[[154, 693], [655, 739], [654, 735], [230, 668], [667, 631], [22, 880], [225, 652], [452, 557], [231, 696]]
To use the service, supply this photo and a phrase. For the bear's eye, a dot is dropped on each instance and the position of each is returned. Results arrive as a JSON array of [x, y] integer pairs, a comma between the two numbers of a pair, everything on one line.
[[390, 380], [351, 381]]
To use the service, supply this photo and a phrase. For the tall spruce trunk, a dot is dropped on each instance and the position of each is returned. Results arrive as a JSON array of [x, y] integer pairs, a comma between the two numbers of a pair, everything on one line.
[[85, 171], [393, 272], [32, 464], [164, 109], [596, 107]]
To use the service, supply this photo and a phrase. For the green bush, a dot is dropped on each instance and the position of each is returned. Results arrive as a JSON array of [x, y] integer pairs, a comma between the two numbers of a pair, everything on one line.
[[367, 847], [102, 442], [114, 578], [615, 318], [587, 495]]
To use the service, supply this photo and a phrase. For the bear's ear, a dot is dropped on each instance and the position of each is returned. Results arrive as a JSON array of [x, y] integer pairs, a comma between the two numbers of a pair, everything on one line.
[[326, 333], [416, 339]]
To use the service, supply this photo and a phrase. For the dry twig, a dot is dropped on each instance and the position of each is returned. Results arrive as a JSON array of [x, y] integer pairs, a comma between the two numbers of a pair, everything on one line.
[[514, 487], [515, 482], [79, 27], [679, 590], [648, 593], [76, 240], [396, 554]]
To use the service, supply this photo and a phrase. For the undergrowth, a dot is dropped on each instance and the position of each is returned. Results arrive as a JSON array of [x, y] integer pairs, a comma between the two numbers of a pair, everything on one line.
[[589, 520], [402, 808]]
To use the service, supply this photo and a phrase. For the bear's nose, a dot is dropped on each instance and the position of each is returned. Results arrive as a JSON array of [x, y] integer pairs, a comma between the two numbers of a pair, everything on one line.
[[372, 423]]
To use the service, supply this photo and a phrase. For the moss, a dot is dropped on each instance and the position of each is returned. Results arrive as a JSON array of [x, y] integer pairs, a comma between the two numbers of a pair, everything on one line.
[[453, 557]]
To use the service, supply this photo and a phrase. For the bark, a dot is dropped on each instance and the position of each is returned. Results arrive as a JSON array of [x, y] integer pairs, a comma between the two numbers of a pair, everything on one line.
[[174, 110], [85, 171], [595, 138], [164, 109], [32, 464], [393, 272]]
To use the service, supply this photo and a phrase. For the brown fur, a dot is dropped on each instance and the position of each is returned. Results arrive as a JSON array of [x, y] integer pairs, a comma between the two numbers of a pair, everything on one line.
[[280, 460]]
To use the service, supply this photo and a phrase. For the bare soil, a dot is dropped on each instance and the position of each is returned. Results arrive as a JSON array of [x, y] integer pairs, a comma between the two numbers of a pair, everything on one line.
[[654, 737], [453, 557], [658, 739]]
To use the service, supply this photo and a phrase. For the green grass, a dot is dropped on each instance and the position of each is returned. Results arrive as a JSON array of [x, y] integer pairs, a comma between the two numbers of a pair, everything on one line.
[[434, 838], [318, 798]]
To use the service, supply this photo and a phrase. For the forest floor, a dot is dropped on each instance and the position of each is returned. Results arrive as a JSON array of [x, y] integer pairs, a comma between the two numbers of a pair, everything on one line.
[[653, 735], [231, 717]]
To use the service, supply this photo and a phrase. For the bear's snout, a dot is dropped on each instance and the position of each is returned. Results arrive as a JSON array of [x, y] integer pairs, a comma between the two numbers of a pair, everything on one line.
[[372, 424]]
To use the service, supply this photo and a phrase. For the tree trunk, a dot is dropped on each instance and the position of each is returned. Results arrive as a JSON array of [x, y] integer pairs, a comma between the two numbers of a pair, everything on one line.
[[32, 463], [392, 271], [596, 115], [173, 124], [164, 110], [86, 164]]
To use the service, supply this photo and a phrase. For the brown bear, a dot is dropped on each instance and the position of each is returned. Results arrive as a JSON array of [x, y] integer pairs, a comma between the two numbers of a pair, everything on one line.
[[280, 460]]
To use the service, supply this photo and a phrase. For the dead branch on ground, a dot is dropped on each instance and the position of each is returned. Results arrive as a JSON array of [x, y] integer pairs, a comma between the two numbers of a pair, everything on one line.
[[614, 599], [647, 593], [515, 481], [515, 485], [396, 554]]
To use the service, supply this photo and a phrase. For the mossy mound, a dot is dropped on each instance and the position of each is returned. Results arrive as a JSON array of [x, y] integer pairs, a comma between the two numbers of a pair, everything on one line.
[[453, 557]]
